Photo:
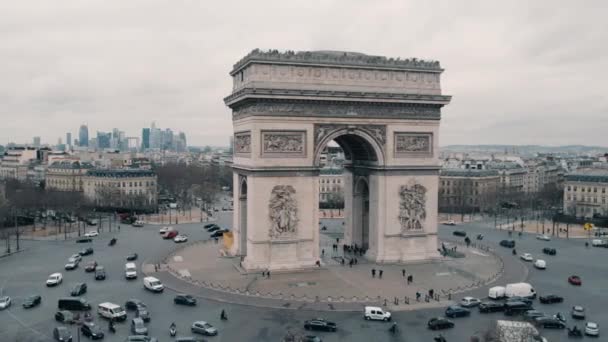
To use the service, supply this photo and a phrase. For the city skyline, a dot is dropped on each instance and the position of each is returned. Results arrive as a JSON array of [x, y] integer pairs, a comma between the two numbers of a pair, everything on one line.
[[527, 72]]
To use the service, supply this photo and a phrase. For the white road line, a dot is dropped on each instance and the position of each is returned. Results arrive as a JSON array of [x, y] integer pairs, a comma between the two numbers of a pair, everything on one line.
[[178, 258], [25, 325], [478, 253]]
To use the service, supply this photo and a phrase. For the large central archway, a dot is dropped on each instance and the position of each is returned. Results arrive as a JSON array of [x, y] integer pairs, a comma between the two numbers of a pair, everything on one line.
[[384, 113]]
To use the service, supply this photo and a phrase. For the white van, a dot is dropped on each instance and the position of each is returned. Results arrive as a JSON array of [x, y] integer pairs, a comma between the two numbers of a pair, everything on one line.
[[496, 292], [153, 284], [598, 243], [540, 264], [376, 313], [520, 290], [111, 311], [130, 270]]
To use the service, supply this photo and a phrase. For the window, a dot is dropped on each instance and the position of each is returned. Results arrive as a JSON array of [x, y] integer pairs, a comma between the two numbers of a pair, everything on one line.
[[568, 187], [582, 189], [594, 189], [574, 188]]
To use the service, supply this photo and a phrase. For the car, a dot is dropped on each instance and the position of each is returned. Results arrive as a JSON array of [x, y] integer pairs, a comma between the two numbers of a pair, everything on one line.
[[376, 313], [138, 327], [459, 233], [549, 323], [84, 240], [487, 307], [75, 258], [507, 243], [132, 257], [91, 330], [549, 251], [219, 233], [91, 222], [575, 280], [54, 279], [550, 299], [540, 264], [62, 334], [543, 237], [454, 311], [214, 228], [209, 225], [170, 234], [100, 273], [140, 338], [78, 289], [71, 265], [469, 302], [516, 308], [438, 323], [524, 300], [592, 329], [130, 270], [163, 230], [526, 257], [204, 328], [180, 238], [578, 312], [64, 316], [187, 339], [90, 266], [91, 234], [143, 313], [32, 301], [111, 311], [320, 324], [450, 223], [138, 224], [86, 251], [153, 284], [5, 302], [134, 303], [184, 299], [532, 315]]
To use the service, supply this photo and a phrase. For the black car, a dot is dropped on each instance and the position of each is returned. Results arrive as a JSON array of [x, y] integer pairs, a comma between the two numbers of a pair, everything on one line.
[[141, 338], [100, 273], [78, 289], [508, 243], [84, 240], [89, 329], [90, 266], [143, 313], [32, 301], [219, 233], [187, 339], [439, 323], [456, 311], [525, 300], [64, 316], [209, 225], [183, 299], [532, 315], [86, 251], [459, 233], [213, 228], [320, 324], [549, 251], [133, 304], [487, 307], [550, 299], [516, 308], [62, 334], [132, 257], [550, 323]]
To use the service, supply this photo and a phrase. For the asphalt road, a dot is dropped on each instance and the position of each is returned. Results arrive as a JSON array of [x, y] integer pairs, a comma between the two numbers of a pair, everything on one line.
[[25, 273]]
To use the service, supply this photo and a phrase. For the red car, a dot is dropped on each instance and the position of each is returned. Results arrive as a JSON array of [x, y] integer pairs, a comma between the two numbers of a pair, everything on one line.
[[575, 280], [170, 234]]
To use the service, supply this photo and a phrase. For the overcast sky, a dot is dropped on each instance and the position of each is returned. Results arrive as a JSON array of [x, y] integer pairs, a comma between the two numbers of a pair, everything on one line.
[[520, 72]]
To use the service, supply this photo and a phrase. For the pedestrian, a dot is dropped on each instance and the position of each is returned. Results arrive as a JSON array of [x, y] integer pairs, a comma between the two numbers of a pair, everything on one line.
[[380, 274], [356, 261], [263, 274], [155, 268], [373, 273], [322, 253], [350, 263], [431, 292], [337, 241], [418, 296], [403, 272], [318, 263], [118, 227], [268, 274], [343, 261]]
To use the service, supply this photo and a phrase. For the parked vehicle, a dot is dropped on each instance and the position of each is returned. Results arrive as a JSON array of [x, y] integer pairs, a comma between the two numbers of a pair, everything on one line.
[[91, 330], [320, 324], [91, 234], [32, 301], [54, 279], [438, 323], [450, 223], [73, 304], [213, 228], [100, 273], [184, 299], [138, 327], [111, 311], [543, 237], [540, 264], [62, 334], [526, 300], [592, 329], [550, 299], [138, 224], [455, 311], [575, 280], [578, 312], [376, 314], [496, 292], [153, 284], [549, 251], [71, 265], [508, 243], [487, 307], [520, 289], [78, 289], [469, 302], [204, 328], [84, 240], [64, 316], [130, 270], [532, 315]]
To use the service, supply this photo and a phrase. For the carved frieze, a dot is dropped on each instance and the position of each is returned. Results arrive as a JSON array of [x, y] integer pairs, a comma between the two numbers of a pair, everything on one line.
[[413, 144], [412, 207], [242, 142], [283, 212], [283, 143]]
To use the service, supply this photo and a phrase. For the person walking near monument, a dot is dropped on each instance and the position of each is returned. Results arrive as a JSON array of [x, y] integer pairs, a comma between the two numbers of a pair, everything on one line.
[[380, 274], [373, 273], [403, 272]]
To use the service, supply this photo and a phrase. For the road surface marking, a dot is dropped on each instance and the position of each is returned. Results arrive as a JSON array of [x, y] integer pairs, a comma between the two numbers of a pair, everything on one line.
[[478, 253], [178, 258], [440, 274], [25, 325]]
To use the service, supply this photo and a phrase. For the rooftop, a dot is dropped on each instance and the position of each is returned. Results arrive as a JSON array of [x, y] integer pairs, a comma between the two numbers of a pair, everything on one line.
[[121, 173], [467, 173], [341, 58], [589, 175]]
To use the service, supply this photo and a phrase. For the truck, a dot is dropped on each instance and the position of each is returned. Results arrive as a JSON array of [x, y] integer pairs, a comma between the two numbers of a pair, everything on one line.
[[520, 290], [496, 292], [513, 331]]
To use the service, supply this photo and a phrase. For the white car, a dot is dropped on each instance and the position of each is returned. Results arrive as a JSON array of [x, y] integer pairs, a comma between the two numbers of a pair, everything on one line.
[[592, 329], [5, 302], [469, 302], [54, 279], [450, 223], [163, 230], [75, 257], [92, 233], [526, 257], [540, 264], [543, 237], [180, 238], [71, 265]]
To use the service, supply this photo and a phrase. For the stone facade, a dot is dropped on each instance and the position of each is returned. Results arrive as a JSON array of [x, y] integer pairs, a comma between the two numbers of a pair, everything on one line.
[[383, 112], [66, 175], [121, 187], [586, 193]]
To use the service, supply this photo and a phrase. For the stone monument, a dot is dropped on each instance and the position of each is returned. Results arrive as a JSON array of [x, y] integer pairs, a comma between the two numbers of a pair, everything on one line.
[[383, 112]]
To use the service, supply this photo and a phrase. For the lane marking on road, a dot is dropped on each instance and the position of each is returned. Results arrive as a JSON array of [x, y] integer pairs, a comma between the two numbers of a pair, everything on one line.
[[440, 274], [478, 253], [25, 325], [178, 258], [184, 273]]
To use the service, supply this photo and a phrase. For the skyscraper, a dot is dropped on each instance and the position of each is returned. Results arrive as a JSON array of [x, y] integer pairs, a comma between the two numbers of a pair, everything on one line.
[[68, 139], [103, 139], [36, 141], [145, 138], [83, 135]]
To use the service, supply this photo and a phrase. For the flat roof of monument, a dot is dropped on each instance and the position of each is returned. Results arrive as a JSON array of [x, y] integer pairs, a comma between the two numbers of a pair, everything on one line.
[[335, 58]]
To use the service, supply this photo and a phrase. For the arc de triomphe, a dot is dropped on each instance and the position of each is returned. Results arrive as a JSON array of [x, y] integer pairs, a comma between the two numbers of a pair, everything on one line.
[[383, 112]]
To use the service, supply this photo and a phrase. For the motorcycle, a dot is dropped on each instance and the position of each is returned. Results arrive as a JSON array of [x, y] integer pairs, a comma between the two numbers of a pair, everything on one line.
[[172, 330], [575, 332], [393, 328], [88, 317], [479, 237]]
